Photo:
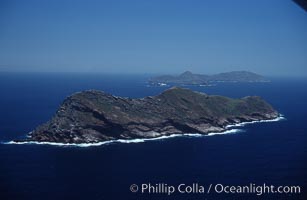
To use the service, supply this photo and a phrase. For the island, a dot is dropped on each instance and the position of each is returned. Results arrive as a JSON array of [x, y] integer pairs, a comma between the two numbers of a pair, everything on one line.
[[94, 116], [188, 78]]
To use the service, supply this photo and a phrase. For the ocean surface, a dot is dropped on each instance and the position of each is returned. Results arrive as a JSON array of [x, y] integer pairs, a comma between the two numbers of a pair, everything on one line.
[[274, 153]]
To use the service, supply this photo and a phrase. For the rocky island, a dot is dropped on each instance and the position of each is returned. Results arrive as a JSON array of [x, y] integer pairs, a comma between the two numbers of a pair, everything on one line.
[[94, 116], [189, 78]]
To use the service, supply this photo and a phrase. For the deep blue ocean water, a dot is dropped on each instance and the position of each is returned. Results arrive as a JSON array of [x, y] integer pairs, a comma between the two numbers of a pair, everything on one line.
[[272, 153]]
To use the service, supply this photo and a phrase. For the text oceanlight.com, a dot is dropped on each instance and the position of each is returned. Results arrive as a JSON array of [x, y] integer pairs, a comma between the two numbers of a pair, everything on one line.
[[197, 188]]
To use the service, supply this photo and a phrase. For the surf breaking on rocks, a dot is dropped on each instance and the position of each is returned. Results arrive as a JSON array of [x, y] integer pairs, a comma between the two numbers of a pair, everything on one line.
[[140, 140]]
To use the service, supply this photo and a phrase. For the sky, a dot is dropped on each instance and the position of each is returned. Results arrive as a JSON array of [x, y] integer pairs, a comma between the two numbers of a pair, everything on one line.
[[153, 36]]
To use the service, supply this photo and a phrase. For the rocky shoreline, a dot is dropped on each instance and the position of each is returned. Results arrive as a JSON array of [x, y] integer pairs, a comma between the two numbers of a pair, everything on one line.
[[127, 141]]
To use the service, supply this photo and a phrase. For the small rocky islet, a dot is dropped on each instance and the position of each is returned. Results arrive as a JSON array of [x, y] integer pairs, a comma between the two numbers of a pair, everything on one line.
[[94, 116]]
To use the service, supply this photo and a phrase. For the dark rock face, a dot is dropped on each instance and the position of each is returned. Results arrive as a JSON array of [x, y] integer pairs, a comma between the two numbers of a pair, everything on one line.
[[93, 116], [202, 79]]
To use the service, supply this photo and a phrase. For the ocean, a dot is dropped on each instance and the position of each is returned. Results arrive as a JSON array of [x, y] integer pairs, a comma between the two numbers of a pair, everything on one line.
[[272, 153]]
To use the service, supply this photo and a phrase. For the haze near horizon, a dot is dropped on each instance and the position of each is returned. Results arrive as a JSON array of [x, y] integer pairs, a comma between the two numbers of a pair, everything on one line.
[[166, 37]]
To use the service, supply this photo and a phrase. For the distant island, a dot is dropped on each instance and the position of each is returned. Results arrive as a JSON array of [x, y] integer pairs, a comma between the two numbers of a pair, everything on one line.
[[188, 78], [94, 116]]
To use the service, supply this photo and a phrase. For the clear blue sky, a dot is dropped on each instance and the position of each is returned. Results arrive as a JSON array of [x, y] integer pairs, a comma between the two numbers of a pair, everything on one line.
[[152, 36]]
